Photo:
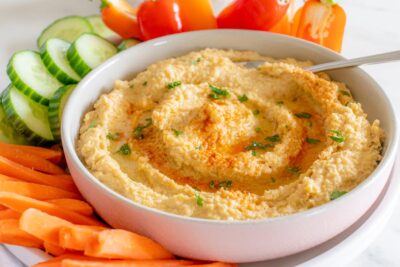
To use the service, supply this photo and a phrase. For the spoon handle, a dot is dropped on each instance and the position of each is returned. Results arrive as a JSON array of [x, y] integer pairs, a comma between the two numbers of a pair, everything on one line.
[[385, 57]]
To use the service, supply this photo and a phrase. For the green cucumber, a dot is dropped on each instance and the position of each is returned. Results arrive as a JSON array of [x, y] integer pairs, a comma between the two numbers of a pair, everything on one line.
[[29, 75], [56, 107], [102, 30], [28, 117], [54, 57], [88, 52], [66, 28], [7, 132], [125, 44]]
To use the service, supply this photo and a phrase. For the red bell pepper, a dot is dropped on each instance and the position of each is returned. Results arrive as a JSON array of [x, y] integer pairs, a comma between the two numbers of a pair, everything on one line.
[[158, 18], [252, 14]]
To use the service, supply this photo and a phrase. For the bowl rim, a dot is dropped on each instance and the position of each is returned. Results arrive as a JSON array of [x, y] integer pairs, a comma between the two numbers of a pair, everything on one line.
[[71, 153]]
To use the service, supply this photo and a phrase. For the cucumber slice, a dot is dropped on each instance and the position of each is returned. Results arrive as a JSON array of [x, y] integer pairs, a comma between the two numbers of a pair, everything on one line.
[[29, 75], [28, 117], [56, 107], [102, 30], [54, 56], [125, 44], [88, 52], [7, 132], [66, 28]]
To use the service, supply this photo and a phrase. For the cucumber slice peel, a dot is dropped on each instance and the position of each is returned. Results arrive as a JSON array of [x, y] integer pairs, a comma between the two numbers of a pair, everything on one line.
[[102, 30], [66, 28], [88, 52], [54, 57], [56, 107], [29, 75], [27, 117], [7, 132]]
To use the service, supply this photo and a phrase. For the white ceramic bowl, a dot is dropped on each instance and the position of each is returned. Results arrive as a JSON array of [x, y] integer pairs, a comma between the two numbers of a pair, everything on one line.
[[233, 241]]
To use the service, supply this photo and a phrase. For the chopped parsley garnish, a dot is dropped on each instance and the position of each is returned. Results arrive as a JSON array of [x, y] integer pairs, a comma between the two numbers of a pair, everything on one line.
[[254, 144], [273, 138], [337, 136], [258, 130], [243, 98], [124, 150], [312, 141], [93, 124], [336, 194], [199, 200], [294, 170], [303, 115], [225, 184], [177, 132], [144, 83], [113, 136], [211, 185], [344, 92], [256, 112], [273, 179], [138, 131], [198, 147], [280, 103], [173, 84], [254, 153], [218, 93], [197, 61]]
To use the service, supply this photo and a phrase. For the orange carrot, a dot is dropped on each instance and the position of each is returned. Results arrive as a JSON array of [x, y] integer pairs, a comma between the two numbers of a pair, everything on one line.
[[78, 206], [54, 156], [10, 168], [121, 244], [29, 160], [2, 207], [8, 178], [41, 225], [9, 214], [37, 191], [77, 237], [21, 203], [11, 234], [56, 250], [128, 263], [56, 262]]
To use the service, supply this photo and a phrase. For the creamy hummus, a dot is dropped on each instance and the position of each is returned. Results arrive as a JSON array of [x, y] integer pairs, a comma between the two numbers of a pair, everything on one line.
[[202, 136]]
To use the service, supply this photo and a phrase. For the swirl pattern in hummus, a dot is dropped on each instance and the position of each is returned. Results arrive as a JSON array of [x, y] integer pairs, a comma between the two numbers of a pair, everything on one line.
[[202, 136]]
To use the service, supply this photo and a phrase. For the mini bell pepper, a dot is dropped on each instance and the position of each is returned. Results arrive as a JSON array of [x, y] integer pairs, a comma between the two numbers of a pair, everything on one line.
[[158, 18], [120, 17], [252, 14], [196, 15], [322, 22]]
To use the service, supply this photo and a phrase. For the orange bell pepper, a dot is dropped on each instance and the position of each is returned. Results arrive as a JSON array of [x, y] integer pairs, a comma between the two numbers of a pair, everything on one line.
[[322, 22], [283, 26], [196, 15], [120, 17]]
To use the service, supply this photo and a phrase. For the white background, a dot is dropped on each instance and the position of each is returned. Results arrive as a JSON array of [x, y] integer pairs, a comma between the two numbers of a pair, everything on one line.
[[372, 27]]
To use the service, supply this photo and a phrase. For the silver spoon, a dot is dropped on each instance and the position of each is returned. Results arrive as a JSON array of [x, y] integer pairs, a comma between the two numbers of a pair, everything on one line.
[[346, 63]]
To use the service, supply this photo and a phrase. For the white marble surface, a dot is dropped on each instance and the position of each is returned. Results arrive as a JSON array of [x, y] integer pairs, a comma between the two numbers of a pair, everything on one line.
[[372, 27]]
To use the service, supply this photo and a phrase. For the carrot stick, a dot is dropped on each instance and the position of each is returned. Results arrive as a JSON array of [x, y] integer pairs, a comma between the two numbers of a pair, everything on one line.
[[10, 168], [121, 244], [41, 225], [36, 191], [77, 237], [49, 154], [2, 207], [56, 262], [29, 160], [56, 250], [127, 263], [8, 178], [9, 214], [11, 234], [78, 206], [21, 203]]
